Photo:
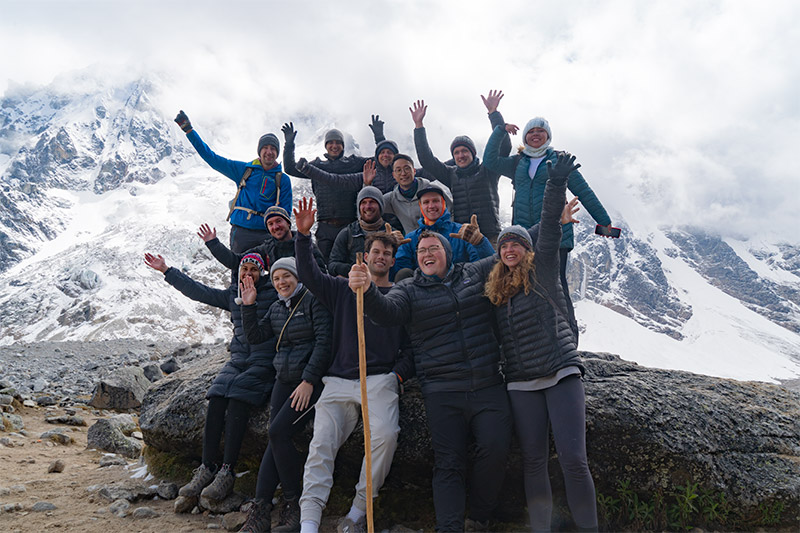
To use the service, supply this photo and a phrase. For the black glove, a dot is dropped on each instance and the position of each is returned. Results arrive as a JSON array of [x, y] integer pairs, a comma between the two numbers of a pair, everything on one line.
[[289, 132], [301, 164], [377, 127], [563, 167], [183, 121]]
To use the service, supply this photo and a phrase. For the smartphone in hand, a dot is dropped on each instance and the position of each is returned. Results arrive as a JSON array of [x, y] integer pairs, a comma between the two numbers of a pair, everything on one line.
[[606, 231]]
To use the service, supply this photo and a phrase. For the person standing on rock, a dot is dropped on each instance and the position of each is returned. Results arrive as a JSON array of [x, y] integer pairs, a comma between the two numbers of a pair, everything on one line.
[[336, 204], [337, 410], [245, 381], [299, 327], [261, 183], [543, 368], [457, 359]]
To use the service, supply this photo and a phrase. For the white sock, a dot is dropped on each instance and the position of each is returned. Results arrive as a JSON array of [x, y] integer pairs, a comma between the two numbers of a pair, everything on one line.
[[356, 514], [307, 526]]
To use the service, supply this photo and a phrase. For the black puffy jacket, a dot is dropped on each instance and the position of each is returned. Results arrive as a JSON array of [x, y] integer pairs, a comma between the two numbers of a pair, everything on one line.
[[536, 335], [302, 342], [271, 250], [454, 345], [249, 375], [349, 242]]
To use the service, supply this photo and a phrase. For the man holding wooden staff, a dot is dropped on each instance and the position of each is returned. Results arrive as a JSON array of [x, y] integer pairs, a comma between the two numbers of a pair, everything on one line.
[[389, 363]]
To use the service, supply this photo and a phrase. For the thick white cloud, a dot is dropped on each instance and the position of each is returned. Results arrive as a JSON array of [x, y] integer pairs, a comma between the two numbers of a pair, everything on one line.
[[687, 109]]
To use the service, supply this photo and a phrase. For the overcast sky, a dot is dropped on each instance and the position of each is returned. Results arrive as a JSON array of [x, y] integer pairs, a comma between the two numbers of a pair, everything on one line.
[[680, 112]]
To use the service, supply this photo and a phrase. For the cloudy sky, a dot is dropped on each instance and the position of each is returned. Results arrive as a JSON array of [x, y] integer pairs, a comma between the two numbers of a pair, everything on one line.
[[684, 112]]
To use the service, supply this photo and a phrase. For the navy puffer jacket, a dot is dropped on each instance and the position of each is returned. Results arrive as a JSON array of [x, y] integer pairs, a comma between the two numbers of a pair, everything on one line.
[[304, 351], [535, 333], [454, 345], [249, 375]]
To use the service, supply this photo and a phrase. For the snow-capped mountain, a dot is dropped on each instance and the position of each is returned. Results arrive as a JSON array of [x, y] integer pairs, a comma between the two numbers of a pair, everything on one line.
[[94, 176]]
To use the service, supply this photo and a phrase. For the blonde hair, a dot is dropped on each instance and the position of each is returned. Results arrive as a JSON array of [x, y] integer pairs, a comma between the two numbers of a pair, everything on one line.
[[504, 282]]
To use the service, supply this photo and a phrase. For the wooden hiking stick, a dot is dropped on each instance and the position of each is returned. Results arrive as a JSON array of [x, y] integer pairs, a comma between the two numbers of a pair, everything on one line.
[[362, 375]]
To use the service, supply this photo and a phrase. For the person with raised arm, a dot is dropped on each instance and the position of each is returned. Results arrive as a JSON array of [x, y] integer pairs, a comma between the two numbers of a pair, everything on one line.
[[244, 382], [389, 364], [473, 185], [261, 184]]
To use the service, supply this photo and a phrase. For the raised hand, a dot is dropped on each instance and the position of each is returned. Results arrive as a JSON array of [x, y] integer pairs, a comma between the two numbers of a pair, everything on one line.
[[512, 129], [301, 396], [396, 234], [156, 262], [302, 164], [470, 232], [369, 171], [418, 110], [248, 291], [570, 208], [206, 233], [183, 121], [376, 126], [304, 215], [289, 133], [492, 101], [563, 167], [359, 277]]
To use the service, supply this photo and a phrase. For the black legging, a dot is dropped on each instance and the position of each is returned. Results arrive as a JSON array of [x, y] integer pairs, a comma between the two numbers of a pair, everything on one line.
[[281, 461], [563, 255], [230, 416], [564, 407]]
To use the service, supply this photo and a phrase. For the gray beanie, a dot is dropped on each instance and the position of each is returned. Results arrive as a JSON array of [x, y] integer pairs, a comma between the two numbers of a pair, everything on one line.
[[515, 233], [268, 139], [370, 192], [285, 263], [333, 135], [391, 145], [463, 140]]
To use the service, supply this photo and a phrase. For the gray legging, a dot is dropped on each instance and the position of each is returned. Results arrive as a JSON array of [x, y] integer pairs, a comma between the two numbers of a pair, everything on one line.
[[564, 407]]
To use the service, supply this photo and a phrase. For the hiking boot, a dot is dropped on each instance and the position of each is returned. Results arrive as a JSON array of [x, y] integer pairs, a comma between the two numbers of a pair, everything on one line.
[[289, 520], [221, 486], [476, 526], [201, 477], [259, 519], [346, 525]]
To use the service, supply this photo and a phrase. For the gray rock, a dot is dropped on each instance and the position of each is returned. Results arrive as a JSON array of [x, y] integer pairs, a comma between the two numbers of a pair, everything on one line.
[[111, 435], [169, 366], [58, 435], [109, 460], [19, 489], [152, 372], [184, 505], [66, 420], [39, 384], [144, 512], [119, 508], [45, 401], [29, 403], [11, 507], [11, 422], [39, 507], [131, 490], [234, 521], [6, 399], [656, 429], [7, 442], [228, 505], [5, 491], [124, 390], [56, 466], [167, 490]]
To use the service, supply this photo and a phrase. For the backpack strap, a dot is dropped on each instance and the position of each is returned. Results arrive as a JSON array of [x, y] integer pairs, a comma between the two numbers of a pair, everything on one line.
[[242, 182]]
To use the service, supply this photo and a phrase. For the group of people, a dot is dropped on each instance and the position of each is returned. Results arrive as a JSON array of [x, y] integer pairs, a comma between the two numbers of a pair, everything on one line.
[[480, 315]]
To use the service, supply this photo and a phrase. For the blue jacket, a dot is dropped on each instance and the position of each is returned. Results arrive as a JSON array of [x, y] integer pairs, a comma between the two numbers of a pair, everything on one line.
[[463, 252], [529, 193], [259, 192]]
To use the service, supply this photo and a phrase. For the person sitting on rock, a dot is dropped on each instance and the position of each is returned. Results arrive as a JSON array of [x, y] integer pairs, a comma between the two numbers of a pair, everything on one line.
[[299, 327], [245, 381], [337, 410], [261, 185]]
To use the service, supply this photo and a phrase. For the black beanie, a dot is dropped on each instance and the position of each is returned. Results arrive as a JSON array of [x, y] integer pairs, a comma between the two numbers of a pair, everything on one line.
[[268, 139], [463, 140]]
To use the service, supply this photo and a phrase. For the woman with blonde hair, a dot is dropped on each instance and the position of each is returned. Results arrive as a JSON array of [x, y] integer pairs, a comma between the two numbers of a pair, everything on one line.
[[543, 369]]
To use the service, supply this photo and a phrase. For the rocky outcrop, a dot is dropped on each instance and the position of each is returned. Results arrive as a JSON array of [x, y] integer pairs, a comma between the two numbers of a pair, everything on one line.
[[113, 435], [649, 431], [123, 390]]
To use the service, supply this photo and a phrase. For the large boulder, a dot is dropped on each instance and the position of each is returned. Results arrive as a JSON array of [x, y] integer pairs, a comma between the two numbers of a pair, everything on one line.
[[123, 390], [113, 435], [655, 438]]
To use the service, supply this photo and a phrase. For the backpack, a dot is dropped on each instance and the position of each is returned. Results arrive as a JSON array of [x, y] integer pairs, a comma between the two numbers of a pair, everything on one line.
[[250, 212]]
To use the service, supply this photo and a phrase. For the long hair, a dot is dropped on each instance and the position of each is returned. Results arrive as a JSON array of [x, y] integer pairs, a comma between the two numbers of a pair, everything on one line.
[[503, 282]]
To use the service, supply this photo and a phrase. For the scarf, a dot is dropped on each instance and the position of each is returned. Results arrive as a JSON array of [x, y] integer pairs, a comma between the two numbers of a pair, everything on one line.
[[372, 226]]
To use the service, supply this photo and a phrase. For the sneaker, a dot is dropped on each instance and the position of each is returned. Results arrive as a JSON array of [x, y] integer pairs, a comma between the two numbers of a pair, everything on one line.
[[346, 525], [221, 486], [259, 519], [201, 477], [471, 525], [289, 520]]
